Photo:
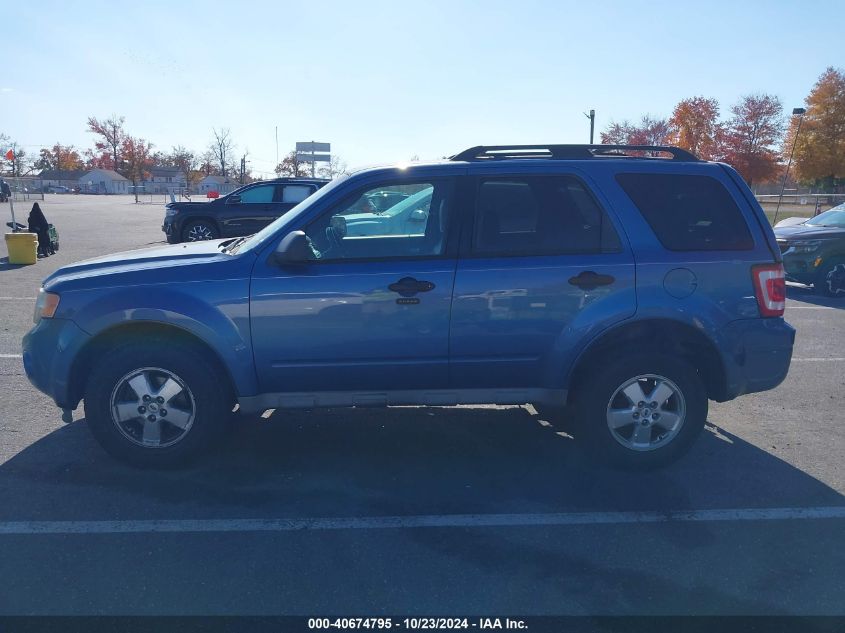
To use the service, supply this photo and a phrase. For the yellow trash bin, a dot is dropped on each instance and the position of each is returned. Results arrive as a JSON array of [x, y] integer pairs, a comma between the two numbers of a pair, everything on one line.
[[23, 248]]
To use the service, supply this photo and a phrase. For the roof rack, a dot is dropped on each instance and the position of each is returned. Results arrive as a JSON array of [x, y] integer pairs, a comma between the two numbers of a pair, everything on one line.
[[569, 152]]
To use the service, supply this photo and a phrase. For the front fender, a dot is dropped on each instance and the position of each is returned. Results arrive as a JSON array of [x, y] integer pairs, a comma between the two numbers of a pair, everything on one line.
[[215, 312]]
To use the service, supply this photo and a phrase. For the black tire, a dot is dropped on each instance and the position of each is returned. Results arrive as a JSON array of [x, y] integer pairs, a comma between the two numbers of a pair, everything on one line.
[[593, 398], [830, 281], [210, 395], [198, 230]]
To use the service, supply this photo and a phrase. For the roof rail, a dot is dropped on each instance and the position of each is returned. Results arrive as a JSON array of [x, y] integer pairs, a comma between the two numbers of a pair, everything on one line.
[[569, 152]]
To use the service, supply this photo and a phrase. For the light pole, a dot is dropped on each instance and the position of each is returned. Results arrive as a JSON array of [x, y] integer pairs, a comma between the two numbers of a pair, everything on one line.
[[592, 117], [800, 112]]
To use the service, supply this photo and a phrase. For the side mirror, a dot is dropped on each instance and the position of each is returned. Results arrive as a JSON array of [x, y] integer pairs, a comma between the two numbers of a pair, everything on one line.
[[233, 199], [294, 249], [418, 215]]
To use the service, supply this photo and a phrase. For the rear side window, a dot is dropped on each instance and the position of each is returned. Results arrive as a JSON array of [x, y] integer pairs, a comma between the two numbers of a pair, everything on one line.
[[688, 213], [539, 215]]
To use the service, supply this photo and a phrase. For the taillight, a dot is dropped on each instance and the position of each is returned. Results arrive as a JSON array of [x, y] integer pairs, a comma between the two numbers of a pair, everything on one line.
[[770, 288]]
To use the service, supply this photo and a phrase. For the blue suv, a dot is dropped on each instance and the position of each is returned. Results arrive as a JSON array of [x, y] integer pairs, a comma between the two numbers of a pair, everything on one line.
[[623, 285]]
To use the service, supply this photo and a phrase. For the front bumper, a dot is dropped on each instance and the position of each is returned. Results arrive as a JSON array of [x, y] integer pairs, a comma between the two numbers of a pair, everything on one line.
[[758, 355], [49, 351]]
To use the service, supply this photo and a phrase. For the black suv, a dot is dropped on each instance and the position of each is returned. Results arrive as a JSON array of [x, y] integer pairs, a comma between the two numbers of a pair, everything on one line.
[[243, 212]]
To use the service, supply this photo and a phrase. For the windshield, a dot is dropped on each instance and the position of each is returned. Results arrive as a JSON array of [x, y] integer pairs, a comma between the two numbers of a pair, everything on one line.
[[255, 241], [831, 217]]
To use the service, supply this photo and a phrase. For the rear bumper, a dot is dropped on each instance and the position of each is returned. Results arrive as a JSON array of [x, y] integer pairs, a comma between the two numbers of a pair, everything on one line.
[[49, 350], [758, 354]]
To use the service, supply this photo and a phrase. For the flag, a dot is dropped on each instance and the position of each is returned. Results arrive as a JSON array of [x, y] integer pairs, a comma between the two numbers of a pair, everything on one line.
[[10, 155]]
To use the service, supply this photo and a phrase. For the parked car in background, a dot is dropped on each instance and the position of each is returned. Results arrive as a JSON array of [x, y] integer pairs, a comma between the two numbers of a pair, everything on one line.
[[58, 189], [383, 200], [625, 289], [406, 217], [243, 212], [814, 251]]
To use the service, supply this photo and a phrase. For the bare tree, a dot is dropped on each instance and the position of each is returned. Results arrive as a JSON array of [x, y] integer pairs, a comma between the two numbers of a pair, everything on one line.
[[222, 148], [334, 168]]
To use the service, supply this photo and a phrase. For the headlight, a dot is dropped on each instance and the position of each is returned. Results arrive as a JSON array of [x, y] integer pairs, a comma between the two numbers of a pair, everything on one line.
[[806, 246], [168, 212], [45, 305]]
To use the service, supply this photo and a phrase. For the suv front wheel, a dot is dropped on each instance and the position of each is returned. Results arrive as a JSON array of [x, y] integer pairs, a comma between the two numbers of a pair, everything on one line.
[[643, 410], [199, 230], [155, 403]]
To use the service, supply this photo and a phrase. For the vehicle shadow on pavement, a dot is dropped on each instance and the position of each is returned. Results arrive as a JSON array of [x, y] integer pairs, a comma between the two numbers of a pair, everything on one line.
[[5, 265], [808, 295], [399, 461]]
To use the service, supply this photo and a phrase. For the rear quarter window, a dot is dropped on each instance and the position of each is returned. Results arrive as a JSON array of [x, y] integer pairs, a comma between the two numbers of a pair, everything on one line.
[[688, 213]]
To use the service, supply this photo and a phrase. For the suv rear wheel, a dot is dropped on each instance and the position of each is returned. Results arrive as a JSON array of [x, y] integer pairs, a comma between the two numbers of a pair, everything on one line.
[[198, 230], [155, 403], [643, 411]]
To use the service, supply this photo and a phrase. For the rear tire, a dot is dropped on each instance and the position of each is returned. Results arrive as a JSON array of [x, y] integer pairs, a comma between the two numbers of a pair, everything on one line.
[[185, 402], [652, 429]]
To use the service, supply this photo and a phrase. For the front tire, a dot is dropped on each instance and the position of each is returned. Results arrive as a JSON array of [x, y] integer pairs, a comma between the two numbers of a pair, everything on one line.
[[199, 230], [831, 280], [642, 410], [156, 403]]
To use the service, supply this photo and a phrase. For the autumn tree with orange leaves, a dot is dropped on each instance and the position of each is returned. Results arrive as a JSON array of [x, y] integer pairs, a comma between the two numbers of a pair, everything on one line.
[[137, 160], [110, 136], [820, 150], [693, 126], [750, 139]]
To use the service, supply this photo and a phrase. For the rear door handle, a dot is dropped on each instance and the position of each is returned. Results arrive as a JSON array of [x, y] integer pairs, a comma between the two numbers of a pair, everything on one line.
[[589, 280], [408, 286]]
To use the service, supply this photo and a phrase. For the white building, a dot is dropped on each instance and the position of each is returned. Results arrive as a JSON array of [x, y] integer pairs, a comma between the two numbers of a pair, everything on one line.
[[60, 178], [217, 183], [103, 181], [165, 180]]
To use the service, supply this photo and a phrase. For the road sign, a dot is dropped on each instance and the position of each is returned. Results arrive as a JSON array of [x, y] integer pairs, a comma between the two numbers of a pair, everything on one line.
[[312, 147], [316, 158]]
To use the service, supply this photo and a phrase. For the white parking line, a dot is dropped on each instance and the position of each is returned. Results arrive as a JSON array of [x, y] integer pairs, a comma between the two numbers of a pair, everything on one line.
[[17, 298], [809, 308], [416, 521], [817, 360], [11, 355]]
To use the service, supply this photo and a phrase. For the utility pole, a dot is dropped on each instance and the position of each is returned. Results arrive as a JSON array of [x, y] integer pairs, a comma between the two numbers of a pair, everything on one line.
[[592, 117], [243, 168], [277, 146], [800, 113]]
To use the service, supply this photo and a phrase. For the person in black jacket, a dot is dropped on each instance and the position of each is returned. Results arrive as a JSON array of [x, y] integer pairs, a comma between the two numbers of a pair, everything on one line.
[[38, 224]]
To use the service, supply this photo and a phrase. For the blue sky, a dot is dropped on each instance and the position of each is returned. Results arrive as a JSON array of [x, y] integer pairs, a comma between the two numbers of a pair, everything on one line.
[[383, 81]]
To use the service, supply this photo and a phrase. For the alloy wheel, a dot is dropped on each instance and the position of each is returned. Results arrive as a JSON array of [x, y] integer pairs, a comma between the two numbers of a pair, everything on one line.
[[152, 407], [646, 412]]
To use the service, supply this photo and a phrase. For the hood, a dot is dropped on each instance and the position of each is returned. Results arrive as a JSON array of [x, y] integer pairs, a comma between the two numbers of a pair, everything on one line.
[[808, 232], [142, 259]]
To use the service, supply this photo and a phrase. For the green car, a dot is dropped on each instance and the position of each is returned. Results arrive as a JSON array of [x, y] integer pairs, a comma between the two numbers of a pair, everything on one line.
[[814, 251]]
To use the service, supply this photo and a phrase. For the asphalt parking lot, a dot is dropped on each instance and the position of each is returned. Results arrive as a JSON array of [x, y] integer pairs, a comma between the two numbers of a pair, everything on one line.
[[468, 510]]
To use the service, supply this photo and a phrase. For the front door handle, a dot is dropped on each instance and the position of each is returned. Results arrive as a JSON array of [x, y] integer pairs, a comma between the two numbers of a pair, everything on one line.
[[588, 280], [408, 286]]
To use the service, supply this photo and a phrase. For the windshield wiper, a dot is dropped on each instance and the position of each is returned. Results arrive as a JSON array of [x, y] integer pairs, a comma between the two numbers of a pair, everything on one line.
[[231, 246]]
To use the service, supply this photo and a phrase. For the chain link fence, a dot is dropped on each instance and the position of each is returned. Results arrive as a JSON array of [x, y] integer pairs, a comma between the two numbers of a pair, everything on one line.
[[25, 188]]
